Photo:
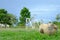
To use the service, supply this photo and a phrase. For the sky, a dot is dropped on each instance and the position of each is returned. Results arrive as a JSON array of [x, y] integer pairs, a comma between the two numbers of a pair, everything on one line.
[[40, 9]]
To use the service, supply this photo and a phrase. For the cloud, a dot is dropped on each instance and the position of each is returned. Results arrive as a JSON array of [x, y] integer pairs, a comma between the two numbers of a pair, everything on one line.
[[45, 12], [42, 9], [45, 8]]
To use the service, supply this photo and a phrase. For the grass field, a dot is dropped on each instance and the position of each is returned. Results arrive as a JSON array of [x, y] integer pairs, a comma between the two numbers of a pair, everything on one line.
[[22, 34]]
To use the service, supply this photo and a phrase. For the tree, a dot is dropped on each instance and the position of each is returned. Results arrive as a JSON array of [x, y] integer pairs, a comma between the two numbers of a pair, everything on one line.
[[3, 11], [57, 21], [10, 19], [7, 18], [58, 17], [25, 13]]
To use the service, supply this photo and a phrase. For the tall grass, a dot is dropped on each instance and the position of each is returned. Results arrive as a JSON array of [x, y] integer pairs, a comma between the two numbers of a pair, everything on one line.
[[22, 34]]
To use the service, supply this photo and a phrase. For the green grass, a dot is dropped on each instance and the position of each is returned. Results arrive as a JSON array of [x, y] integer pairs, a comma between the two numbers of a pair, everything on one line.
[[22, 34]]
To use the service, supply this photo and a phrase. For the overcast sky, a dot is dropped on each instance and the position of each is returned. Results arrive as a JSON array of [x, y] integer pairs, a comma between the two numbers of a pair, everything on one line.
[[40, 9]]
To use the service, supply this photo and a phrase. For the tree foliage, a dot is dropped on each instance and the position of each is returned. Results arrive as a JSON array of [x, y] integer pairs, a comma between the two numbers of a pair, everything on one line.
[[7, 18], [23, 15], [58, 17]]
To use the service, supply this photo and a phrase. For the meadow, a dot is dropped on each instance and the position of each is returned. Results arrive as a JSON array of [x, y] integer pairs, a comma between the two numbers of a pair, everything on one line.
[[23, 34]]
